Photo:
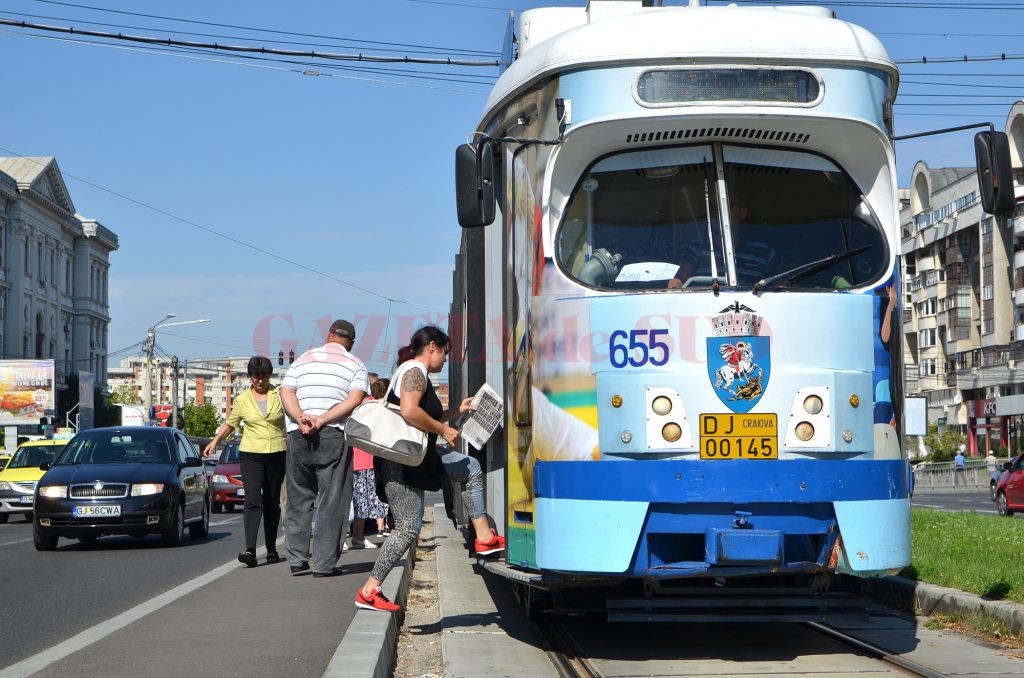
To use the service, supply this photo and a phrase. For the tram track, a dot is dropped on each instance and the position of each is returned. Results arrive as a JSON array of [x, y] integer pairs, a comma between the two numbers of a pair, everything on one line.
[[571, 660], [913, 668]]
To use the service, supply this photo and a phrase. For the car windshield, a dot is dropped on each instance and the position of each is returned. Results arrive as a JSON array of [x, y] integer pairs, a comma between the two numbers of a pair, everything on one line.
[[31, 456], [692, 216], [230, 454], [117, 447]]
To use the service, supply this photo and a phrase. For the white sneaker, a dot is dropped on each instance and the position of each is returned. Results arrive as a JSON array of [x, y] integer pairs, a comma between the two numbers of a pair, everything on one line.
[[365, 544], [344, 546]]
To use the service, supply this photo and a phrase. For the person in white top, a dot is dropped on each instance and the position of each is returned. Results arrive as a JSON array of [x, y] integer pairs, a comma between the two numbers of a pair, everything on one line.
[[319, 391]]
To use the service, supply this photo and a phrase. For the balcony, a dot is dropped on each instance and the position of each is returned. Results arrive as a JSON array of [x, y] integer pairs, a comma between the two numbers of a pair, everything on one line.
[[925, 264], [1018, 226], [927, 322], [1018, 332]]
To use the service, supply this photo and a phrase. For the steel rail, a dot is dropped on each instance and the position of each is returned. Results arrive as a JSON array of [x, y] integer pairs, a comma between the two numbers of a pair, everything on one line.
[[874, 651]]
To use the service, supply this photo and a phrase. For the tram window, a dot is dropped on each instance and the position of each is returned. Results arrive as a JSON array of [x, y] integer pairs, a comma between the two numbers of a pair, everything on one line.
[[639, 220]]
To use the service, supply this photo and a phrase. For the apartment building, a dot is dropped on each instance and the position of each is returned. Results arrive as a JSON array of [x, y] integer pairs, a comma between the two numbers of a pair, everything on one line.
[[963, 305]]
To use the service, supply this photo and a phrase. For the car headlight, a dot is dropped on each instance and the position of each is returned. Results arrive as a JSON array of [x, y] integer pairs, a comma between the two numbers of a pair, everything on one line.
[[53, 491], [142, 489], [4, 485], [218, 478]]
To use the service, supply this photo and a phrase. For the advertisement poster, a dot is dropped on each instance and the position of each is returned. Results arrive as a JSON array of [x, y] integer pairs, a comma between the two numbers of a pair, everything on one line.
[[26, 391], [86, 389]]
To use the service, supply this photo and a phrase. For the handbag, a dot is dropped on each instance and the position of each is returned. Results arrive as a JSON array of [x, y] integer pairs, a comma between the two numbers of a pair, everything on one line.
[[379, 428]]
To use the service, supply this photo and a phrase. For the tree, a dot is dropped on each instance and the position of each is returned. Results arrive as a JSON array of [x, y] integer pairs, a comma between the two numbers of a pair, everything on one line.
[[943, 445], [201, 421], [125, 395]]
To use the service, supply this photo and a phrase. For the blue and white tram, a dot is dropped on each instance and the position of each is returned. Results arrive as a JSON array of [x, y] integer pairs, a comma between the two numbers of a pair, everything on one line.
[[691, 280]]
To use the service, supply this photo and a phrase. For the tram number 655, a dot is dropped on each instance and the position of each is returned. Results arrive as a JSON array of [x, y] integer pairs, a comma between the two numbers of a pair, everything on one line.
[[637, 348]]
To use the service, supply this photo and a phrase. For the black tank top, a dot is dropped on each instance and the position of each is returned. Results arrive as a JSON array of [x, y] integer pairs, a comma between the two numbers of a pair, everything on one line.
[[426, 476]]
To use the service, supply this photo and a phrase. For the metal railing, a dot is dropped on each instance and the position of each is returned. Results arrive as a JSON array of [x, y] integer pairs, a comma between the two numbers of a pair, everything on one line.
[[943, 474]]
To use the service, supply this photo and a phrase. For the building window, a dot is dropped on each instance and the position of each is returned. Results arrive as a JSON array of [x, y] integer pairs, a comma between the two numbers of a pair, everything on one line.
[[926, 338], [911, 382], [927, 367], [28, 269]]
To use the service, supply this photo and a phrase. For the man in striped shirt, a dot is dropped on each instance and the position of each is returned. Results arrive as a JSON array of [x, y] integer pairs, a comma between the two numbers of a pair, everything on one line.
[[319, 391]]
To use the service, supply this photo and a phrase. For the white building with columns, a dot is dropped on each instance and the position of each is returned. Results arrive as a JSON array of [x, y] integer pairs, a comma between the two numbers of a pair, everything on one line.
[[54, 268]]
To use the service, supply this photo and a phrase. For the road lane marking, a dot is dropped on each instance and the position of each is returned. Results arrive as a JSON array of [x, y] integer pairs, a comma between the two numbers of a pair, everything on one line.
[[225, 522], [41, 660], [16, 541]]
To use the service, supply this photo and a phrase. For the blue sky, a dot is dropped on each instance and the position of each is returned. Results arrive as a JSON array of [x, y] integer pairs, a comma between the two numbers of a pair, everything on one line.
[[349, 175]]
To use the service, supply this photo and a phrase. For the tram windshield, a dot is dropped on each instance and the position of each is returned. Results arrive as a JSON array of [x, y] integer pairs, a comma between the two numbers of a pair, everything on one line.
[[653, 219]]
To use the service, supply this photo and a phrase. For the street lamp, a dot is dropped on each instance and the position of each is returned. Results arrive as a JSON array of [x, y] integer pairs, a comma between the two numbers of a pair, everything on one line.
[[147, 391]]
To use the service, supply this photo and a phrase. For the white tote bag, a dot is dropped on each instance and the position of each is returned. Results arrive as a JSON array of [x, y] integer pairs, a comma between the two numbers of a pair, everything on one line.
[[379, 428]]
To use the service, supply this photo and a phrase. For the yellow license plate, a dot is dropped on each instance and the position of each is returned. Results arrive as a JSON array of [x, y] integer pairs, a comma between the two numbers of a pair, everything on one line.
[[739, 436]]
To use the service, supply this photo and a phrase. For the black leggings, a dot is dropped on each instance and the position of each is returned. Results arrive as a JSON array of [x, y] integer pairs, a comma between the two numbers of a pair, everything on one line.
[[262, 475]]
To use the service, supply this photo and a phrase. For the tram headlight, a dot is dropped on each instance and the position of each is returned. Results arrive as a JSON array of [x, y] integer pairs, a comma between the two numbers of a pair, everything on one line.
[[812, 404], [671, 432], [616, 400], [661, 407], [626, 436], [847, 436], [854, 400], [804, 431]]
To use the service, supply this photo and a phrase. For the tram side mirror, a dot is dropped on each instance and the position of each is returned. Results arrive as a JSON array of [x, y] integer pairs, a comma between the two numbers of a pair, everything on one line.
[[995, 175], [474, 185]]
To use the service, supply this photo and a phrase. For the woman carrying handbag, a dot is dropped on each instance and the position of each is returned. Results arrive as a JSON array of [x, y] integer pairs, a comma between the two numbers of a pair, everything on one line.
[[405, 485]]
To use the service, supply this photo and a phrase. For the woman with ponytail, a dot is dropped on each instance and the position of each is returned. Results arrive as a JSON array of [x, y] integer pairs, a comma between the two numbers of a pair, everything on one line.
[[404, 485]]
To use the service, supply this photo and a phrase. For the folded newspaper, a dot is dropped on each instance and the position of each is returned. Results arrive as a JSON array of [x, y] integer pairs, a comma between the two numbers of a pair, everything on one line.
[[477, 425]]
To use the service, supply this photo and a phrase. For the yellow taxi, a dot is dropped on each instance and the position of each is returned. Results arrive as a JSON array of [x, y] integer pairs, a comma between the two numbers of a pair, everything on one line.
[[18, 480]]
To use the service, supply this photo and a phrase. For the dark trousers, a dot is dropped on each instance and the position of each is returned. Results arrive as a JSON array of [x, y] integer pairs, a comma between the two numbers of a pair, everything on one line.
[[262, 475], [319, 490]]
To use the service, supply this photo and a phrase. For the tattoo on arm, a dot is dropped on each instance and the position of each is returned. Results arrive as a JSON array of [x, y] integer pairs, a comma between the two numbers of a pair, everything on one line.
[[414, 381]]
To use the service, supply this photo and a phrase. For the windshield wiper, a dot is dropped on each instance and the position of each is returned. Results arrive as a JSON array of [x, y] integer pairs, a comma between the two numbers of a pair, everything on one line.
[[806, 270]]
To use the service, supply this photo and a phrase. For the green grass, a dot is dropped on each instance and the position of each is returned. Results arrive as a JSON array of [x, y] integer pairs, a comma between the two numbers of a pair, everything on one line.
[[980, 554]]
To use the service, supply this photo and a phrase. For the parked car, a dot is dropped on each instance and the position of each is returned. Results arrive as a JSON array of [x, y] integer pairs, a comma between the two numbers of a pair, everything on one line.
[[18, 479], [135, 480], [1010, 488], [228, 490]]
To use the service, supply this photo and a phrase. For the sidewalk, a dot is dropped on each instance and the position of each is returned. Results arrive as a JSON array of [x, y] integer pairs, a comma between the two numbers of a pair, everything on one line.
[[244, 622]]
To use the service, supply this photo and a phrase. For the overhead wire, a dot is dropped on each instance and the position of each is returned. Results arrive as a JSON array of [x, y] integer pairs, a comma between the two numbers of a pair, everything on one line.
[[398, 47], [144, 39], [195, 57], [229, 238], [224, 25]]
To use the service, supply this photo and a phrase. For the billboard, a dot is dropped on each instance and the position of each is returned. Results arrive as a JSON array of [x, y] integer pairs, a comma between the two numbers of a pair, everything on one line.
[[133, 415], [26, 391]]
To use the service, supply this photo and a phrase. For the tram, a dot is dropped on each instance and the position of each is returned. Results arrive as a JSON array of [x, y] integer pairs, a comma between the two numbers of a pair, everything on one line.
[[679, 268]]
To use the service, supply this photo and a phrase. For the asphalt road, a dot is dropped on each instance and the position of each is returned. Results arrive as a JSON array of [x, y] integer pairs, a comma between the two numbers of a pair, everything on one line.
[[959, 500], [47, 597]]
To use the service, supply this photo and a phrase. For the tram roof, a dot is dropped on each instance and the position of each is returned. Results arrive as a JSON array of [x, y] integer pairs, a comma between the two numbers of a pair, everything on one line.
[[683, 35]]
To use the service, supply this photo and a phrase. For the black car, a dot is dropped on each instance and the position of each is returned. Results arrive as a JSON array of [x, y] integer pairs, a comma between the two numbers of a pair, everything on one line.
[[133, 480]]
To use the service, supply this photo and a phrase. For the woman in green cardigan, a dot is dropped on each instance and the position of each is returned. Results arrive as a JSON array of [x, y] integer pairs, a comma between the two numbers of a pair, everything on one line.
[[261, 455]]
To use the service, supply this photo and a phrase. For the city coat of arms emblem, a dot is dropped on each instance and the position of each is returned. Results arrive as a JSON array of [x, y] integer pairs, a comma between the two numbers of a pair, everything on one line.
[[739, 361]]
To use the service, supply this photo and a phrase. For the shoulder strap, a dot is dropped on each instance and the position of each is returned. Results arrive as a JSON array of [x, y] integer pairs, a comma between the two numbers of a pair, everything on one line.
[[396, 379]]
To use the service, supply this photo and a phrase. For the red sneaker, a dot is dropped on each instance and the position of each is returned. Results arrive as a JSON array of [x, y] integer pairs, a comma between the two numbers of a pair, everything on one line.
[[495, 545], [376, 601]]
